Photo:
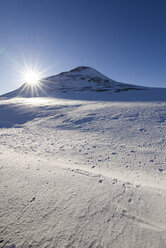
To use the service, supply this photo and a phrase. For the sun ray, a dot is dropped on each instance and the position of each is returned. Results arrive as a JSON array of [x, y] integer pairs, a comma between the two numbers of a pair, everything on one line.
[[32, 76]]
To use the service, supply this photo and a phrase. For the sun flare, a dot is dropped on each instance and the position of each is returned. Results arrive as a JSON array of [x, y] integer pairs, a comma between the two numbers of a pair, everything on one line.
[[31, 77]]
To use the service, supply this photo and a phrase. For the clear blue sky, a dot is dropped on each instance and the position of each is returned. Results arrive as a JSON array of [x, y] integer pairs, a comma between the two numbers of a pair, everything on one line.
[[123, 39]]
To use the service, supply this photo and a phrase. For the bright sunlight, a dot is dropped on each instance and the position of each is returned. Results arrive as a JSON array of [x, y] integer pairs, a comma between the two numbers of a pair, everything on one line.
[[31, 77]]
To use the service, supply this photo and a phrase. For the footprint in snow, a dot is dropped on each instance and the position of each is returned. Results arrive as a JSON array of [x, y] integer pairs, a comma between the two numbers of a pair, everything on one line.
[[142, 129], [32, 199], [114, 181]]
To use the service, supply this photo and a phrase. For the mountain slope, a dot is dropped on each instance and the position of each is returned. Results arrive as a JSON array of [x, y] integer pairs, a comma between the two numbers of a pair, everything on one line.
[[83, 173], [85, 83]]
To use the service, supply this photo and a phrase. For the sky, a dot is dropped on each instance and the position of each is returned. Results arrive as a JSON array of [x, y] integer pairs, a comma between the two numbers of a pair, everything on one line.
[[123, 39]]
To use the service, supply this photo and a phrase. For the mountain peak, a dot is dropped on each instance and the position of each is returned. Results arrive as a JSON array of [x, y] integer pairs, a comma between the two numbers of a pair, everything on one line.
[[84, 83], [80, 68]]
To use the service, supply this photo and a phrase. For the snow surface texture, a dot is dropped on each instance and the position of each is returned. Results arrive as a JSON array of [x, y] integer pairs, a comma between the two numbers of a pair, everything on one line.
[[86, 174]]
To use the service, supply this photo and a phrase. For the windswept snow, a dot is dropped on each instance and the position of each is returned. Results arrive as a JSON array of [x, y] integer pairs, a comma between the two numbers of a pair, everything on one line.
[[83, 174]]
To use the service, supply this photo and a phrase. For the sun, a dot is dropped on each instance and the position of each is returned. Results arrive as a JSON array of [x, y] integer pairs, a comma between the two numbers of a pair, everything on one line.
[[31, 77]]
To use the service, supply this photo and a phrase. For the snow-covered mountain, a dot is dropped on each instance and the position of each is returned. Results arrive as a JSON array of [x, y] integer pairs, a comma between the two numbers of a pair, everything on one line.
[[85, 83]]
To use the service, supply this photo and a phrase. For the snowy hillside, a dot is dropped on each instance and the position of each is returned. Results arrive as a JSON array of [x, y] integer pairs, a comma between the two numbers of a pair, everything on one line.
[[85, 83], [82, 173]]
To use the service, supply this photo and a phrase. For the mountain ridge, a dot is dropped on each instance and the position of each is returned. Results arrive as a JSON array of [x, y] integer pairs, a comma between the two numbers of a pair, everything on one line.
[[86, 83]]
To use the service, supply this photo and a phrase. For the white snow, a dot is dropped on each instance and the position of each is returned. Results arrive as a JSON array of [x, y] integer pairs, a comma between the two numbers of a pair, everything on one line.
[[83, 173], [84, 83]]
